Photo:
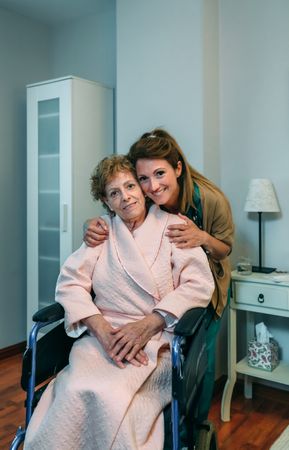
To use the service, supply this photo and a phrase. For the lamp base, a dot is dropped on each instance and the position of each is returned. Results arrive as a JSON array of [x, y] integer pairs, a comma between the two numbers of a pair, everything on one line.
[[263, 269]]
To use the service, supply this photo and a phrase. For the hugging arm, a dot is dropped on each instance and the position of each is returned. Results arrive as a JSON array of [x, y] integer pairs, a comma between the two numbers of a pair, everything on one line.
[[217, 240], [95, 231], [188, 235]]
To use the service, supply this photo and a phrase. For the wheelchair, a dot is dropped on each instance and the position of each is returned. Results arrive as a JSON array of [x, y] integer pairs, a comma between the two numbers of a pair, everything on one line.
[[45, 357]]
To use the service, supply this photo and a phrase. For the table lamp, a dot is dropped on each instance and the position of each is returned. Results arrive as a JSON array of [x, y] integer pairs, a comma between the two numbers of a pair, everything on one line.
[[261, 198]]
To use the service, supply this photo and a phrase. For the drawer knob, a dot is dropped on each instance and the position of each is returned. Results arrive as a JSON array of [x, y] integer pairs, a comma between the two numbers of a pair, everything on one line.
[[261, 298]]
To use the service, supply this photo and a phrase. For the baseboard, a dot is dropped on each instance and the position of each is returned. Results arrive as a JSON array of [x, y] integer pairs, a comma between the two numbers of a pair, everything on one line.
[[12, 350]]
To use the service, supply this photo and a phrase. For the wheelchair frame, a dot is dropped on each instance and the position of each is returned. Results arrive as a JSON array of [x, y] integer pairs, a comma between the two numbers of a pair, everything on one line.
[[189, 327]]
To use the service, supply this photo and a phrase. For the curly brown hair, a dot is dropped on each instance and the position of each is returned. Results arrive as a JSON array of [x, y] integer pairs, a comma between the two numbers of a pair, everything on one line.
[[105, 170]]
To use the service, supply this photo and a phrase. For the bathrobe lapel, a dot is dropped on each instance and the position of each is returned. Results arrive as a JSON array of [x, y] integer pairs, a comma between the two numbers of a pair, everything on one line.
[[136, 252]]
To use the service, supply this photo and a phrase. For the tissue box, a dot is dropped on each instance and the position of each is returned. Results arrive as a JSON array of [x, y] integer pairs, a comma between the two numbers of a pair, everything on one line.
[[263, 356]]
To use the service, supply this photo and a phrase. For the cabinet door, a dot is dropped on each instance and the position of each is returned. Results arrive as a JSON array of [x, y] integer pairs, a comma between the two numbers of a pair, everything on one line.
[[48, 199], [43, 194]]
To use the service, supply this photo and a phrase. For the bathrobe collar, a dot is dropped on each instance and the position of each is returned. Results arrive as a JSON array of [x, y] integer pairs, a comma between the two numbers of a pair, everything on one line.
[[138, 251]]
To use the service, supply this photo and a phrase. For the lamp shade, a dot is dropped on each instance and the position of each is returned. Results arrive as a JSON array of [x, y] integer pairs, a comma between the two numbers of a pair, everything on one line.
[[261, 196]]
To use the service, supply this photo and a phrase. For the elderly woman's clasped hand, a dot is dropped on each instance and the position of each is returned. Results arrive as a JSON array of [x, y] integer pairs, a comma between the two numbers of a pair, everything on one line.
[[125, 343], [130, 339]]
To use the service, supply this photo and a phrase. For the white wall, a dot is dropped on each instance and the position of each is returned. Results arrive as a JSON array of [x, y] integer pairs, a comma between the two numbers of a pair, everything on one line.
[[25, 58], [211, 106], [254, 89], [254, 132], [86, 47], [159, 72]]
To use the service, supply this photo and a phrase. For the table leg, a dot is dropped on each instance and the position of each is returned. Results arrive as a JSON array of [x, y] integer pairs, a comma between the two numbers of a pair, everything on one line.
[[248, 392], [250, 331], [232, 360]]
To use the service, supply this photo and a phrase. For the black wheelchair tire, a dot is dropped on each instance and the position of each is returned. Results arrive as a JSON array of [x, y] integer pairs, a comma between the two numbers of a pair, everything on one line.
[[207, 437]]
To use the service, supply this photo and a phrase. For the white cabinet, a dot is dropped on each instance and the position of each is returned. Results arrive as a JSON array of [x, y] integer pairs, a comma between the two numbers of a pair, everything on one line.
[[69, 129], [255, 293]]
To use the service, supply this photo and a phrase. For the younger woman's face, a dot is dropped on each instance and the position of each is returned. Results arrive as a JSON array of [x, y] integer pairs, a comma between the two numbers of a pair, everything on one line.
[[159, 181]]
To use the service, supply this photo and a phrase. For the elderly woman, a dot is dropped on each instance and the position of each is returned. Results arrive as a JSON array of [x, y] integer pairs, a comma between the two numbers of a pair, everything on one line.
[[112, 393]]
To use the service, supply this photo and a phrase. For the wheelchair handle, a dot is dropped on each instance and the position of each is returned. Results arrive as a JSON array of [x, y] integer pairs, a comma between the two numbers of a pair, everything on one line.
[[50, 313]]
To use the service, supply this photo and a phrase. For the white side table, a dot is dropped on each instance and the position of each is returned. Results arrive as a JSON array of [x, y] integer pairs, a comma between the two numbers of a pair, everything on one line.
[[256, 293]]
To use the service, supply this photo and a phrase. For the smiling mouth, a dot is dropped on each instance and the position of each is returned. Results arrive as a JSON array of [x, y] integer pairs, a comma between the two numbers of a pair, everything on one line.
[[129, 206], [157, 193]]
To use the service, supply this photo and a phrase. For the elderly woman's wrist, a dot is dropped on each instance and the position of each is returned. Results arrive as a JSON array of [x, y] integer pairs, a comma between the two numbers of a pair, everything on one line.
[[94, 323], [158, 321]]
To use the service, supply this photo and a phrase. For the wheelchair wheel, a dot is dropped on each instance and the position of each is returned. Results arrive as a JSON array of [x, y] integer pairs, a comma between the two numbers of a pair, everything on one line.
[[207, 437]]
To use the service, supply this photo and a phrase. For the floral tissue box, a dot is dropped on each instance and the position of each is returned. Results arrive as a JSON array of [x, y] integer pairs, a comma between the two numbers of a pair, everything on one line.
[[263, 356]]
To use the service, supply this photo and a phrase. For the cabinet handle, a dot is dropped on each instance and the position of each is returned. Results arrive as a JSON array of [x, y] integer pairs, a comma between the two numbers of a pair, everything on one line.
[[64, 217], [261, 298]]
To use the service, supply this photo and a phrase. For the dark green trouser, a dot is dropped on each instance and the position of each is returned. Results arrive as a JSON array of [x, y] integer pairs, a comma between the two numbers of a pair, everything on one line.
[[209, 379]]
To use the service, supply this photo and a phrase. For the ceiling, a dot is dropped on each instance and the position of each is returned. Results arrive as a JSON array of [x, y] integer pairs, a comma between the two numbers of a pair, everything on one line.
[[55, 12]]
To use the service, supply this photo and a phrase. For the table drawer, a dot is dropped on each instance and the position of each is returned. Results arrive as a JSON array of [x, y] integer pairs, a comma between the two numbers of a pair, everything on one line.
[[261, 295]]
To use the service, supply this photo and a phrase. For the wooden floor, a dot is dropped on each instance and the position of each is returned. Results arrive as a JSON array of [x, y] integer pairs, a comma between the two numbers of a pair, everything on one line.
[[12, 397], [255, 424]]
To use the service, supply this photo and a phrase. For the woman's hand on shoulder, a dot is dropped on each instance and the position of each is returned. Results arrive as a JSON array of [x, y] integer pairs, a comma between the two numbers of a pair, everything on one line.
[[186, 234], [95, 232]]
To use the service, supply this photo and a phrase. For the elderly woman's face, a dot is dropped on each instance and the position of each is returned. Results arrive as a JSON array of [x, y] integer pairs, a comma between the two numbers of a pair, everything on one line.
[[124, 196]]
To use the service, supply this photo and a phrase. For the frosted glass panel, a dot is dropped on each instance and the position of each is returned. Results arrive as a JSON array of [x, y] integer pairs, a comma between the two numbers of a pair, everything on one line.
[[49, 210], [48, 173], [48, 126], [48, 199], [48, 107], [49, 243], [48, 274]]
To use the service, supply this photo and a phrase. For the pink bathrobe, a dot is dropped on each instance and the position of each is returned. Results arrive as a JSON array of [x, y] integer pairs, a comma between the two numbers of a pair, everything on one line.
[[92, 404]]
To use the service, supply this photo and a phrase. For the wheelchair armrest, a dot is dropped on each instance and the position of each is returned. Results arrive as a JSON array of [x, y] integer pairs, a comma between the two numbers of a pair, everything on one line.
[[190, 322], [50, 313]]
